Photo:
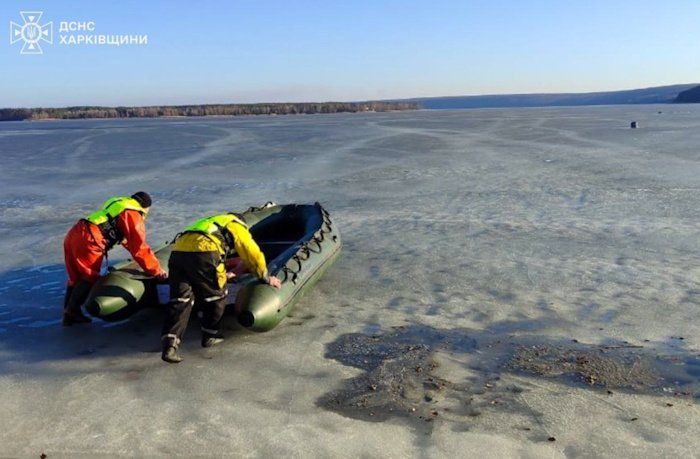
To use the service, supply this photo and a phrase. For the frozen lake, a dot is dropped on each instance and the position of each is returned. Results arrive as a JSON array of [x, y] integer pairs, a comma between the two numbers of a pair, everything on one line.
[[496, 254]]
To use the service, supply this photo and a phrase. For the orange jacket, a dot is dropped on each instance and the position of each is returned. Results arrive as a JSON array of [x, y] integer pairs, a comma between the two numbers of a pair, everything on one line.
[[84, 247], [131, 224]]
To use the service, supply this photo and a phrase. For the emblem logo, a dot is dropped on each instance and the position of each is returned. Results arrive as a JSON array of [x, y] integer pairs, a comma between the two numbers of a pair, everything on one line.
[[31, 33]]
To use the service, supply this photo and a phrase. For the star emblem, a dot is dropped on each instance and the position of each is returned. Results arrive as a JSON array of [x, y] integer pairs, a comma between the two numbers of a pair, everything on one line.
[[31, 33]]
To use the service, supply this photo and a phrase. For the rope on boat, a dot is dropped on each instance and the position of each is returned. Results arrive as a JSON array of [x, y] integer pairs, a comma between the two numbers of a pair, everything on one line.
[[306, 250]]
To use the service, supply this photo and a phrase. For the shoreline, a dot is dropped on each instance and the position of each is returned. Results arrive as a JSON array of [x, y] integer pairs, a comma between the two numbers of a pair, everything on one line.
[[175, 117], [159, 111]]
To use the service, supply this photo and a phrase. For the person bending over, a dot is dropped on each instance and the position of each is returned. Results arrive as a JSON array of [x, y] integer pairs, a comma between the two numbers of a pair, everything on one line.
[[120, 221], [198, 276]]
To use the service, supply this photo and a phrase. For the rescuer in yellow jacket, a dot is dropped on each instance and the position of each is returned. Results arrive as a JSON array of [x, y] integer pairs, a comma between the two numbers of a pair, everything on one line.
[[197, 274]]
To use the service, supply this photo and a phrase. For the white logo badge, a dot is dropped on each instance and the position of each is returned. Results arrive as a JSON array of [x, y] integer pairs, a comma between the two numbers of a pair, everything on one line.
[[31, 32]]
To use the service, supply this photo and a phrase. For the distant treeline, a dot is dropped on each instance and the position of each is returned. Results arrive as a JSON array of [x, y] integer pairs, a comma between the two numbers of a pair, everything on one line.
[[18, 114]]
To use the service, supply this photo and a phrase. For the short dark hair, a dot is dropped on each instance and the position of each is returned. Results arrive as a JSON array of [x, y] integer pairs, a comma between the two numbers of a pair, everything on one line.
[[142, 198]]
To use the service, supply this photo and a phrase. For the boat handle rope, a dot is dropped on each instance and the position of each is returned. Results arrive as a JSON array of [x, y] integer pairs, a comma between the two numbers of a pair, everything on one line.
[[318, 244], [304, 252], [288, 272], [321, 236], [264, 206]]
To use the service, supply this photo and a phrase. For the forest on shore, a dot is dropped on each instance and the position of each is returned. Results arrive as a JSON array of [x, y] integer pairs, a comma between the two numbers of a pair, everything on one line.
[[19, 114]]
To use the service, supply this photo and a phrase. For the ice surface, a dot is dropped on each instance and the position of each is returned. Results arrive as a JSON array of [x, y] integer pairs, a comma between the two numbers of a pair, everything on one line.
[[551, 224]]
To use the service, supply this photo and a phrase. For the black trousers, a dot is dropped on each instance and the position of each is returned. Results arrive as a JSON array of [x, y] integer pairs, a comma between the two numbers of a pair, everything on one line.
[[76, 296], [193, 279]]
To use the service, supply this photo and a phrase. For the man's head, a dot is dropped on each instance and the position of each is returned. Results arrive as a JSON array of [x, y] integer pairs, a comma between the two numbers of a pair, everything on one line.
[[143, 198]]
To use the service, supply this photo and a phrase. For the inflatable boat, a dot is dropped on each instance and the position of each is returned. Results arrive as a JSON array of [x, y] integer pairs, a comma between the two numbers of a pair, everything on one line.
[[300, 243]]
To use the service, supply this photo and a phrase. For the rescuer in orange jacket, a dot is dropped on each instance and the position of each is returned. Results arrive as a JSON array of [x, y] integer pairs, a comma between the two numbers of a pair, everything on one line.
[[120, 221]]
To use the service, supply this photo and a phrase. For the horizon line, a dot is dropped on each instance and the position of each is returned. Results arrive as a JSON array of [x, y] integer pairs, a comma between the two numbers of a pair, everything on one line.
[[394, 99]]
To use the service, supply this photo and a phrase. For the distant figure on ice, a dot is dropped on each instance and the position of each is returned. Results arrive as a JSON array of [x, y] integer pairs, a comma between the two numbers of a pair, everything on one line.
[[120, 221], [198, 274]]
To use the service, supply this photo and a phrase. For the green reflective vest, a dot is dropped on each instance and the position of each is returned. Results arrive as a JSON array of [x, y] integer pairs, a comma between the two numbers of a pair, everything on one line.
[[112, 208], [105, 218], [215, 228]]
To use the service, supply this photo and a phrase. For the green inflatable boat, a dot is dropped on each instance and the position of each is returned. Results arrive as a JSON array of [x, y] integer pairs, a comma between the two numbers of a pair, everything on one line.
[[300, 243]]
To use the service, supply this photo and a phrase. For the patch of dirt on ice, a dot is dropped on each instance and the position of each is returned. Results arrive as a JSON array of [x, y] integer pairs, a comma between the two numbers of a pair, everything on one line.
[[402, 375], [399, 377], [595, 366]]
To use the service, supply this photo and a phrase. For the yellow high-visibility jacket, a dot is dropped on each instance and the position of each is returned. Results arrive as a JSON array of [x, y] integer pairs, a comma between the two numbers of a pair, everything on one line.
[[243, 243]]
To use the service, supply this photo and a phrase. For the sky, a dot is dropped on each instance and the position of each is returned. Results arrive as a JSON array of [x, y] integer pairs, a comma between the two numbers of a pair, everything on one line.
[[242, 51]]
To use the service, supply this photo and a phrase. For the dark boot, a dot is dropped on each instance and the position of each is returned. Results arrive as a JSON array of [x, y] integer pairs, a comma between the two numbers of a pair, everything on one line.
[[209, 340], [170, 355], [74, 299], [170, 345]]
